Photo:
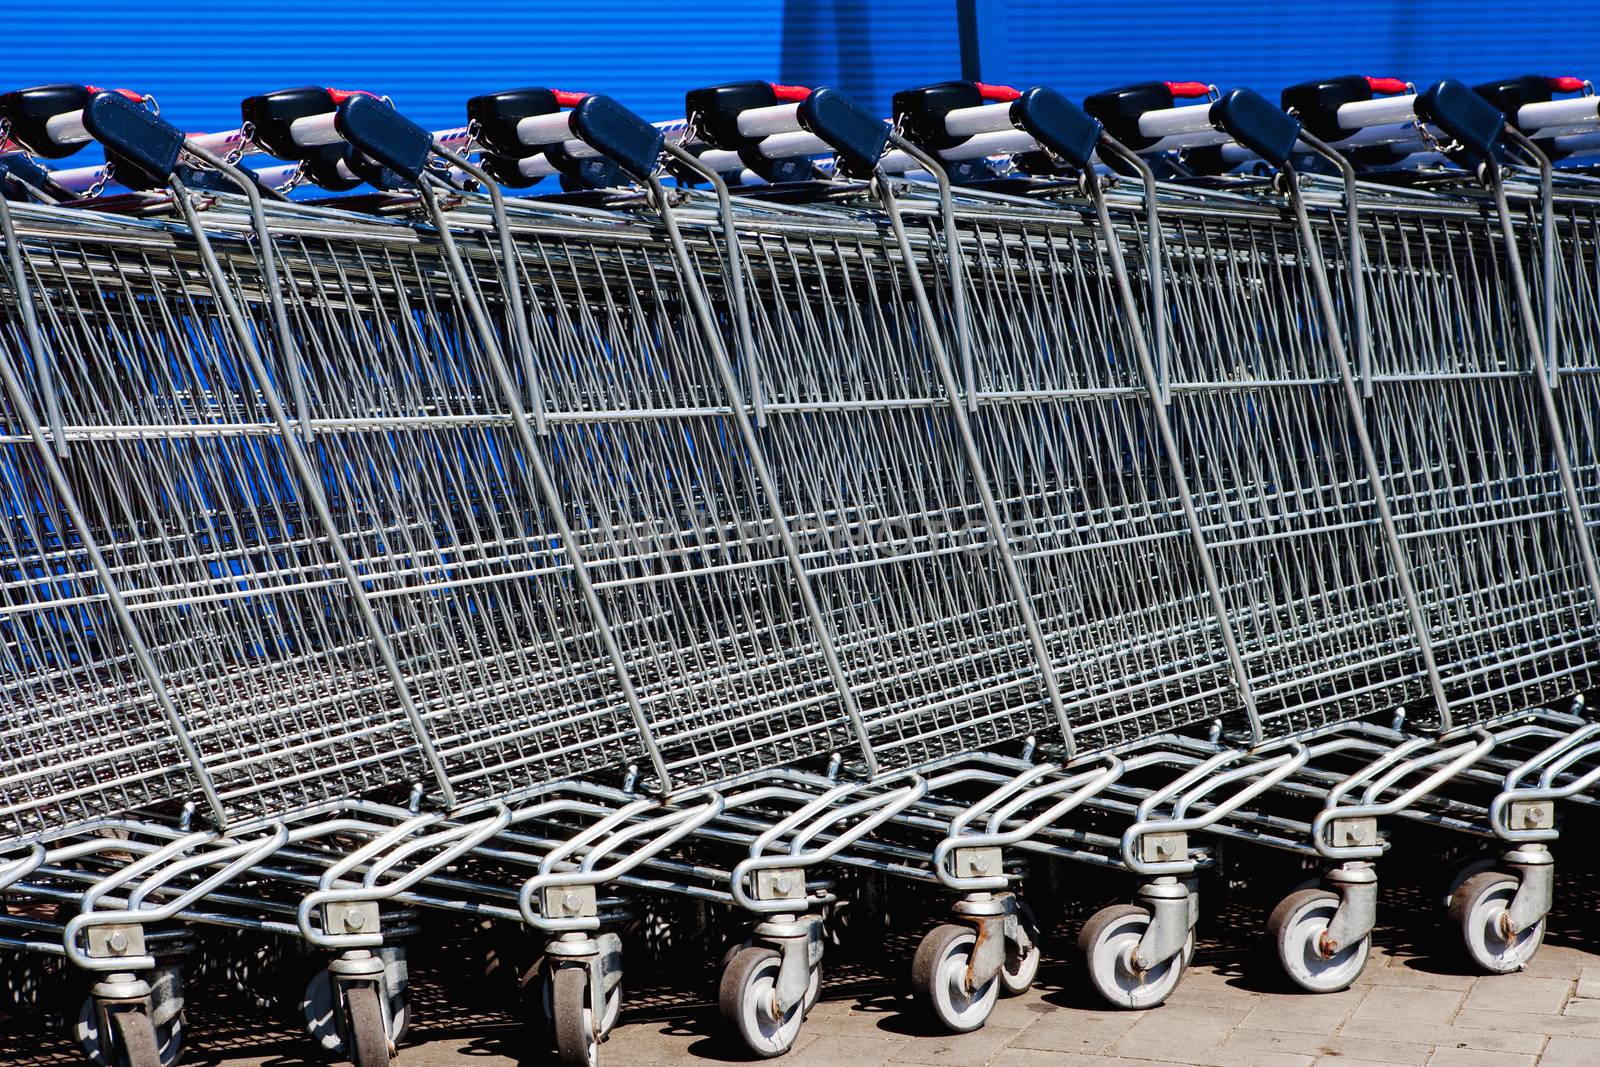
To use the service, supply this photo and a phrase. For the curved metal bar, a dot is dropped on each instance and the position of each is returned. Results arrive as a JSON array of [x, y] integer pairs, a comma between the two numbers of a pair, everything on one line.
[[62, 487], [1082, 786], [1470, 754], [1272, 771], [12, 871], [247, 855], [1155, 390], [1543, 360], [1550, 756], [670, 828], [470, 837], [890, 805], [1398, 559]]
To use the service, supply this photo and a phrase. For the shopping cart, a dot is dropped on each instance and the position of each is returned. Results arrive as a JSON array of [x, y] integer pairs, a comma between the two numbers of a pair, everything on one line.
[[539, 526]]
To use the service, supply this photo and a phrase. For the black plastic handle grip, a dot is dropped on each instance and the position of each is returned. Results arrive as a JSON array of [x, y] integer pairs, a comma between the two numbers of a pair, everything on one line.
[[856, 134], [142, 147], [379, 132], [1063, 127], [1253, 121], [1463, 114], [618, 134]]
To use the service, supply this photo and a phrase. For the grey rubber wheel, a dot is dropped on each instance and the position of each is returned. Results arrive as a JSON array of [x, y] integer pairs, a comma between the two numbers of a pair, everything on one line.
[[1296, 927], [1109, 940], [366, 1038], [747, 997], [167, 1036], [1478, 907], [1017, 976], [940, 974], [572, 1017], [136, 1039], [319, 1008], [813, 988]]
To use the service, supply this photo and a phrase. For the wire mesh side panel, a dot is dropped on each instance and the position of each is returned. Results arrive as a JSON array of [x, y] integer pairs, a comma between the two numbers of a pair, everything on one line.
[[1067, 431], [432, 490], [1469, 464], [1576, 351], [883, 497], [186, 486], [81, 732], [681, 541], [1268, 442]]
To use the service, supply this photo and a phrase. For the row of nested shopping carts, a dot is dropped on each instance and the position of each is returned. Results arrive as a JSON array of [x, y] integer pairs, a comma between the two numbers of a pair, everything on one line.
[[795, 494]]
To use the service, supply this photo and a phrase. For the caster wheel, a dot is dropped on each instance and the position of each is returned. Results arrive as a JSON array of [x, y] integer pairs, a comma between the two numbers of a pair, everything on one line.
[[1478, 907], [813, 988], [1459, 876], [1297, 925], [138, 1040], [747, 995], [1109, 940], [608, 1015], [572, 1017], [366, 1038], [319, 1005], [940, 974], [1017, 976]]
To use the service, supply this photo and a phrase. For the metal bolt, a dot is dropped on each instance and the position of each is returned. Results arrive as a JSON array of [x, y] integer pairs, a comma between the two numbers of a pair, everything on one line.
[[117, 942], [571, 902], [355, 920], [1357, 832], [981, 864], [784, 884], [1165, 849], [1534, 815]]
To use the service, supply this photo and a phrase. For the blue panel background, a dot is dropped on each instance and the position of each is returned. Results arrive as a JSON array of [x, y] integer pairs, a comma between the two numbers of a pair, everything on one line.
[[200, 59]]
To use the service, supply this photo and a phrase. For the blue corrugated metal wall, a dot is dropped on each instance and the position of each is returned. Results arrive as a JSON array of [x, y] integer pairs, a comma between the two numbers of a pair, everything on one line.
[[1270, 45], [200, 59]]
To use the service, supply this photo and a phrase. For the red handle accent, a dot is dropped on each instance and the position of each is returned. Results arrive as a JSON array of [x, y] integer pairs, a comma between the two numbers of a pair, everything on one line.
[[126, 94], [997, 93], [790, 94], [339, 96], [1566, 85], [1188, 90], [1387, 86], [567, 98]]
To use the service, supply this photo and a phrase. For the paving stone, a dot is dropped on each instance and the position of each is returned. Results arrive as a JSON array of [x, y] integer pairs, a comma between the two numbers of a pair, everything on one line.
[[1527, 1023], [1191, 1036], [968, 1050], [1471, 1057], [1033, 1057], [1078, 1032], [831, 1050], [1415, 974], [1434, 1034], [1589, 982], [1518, 992], [1304, 1013], [1323, 1046], [1405, 1006], [1571, 1052]]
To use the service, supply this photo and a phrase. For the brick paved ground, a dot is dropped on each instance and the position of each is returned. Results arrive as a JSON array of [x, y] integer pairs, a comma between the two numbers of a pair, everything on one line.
[[1415, 1005]]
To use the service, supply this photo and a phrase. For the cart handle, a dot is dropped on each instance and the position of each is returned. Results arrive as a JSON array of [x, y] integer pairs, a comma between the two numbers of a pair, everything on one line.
[[748, 117]]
